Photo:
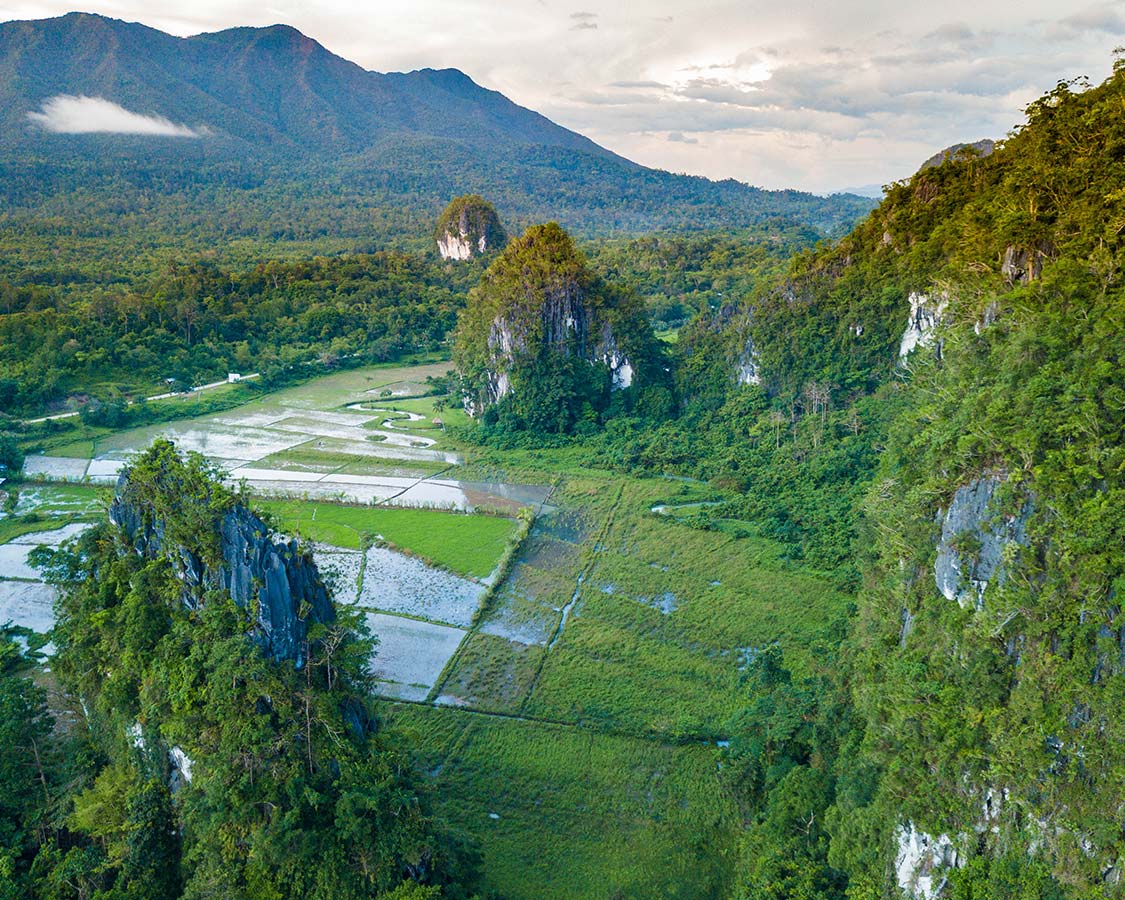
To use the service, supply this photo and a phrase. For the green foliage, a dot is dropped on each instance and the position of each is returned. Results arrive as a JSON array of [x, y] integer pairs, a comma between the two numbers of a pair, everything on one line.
[[196, 322], [183, 496], [543, 323], [564, 812], [1021, 697], [681, 275], [11, 457], [26, 769], [471, 218]]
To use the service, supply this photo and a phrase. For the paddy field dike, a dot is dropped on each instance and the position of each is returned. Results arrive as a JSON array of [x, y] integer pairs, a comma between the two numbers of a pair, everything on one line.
[[565, 649]]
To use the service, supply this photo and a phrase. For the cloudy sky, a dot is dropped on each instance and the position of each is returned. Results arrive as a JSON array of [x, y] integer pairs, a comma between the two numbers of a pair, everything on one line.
[[815, 94]]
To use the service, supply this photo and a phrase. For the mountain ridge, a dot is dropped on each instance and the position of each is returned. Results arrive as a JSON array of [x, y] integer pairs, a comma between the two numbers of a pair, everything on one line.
[[285, 116], [256, 85]]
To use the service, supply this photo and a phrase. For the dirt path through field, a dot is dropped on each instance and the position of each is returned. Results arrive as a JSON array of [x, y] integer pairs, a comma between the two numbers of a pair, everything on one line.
[[564, 613]]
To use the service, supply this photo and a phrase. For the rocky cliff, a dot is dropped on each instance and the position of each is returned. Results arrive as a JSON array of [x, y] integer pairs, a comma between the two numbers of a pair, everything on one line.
[[469, 227], [278, 582], [540, 300]]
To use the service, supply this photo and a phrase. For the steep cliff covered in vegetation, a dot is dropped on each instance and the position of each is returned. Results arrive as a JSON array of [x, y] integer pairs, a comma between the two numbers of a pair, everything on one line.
[[543, 342], [971, 746], [214, 734]]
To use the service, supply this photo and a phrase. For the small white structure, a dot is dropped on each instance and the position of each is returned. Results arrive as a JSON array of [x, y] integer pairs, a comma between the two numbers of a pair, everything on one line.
[[233, 378]]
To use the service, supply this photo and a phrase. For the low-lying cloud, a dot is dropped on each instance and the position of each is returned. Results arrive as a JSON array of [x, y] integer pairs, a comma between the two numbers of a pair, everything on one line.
[[66, 114]]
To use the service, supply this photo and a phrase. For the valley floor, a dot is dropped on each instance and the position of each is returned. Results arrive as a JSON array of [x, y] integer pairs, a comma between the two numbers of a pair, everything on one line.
[[570, 704]]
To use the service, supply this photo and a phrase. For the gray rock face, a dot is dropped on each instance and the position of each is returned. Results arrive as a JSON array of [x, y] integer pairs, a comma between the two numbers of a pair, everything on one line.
[[973, 540], [925, 315], [749, 371], [567, 328], [1021, 266], [278, 581]]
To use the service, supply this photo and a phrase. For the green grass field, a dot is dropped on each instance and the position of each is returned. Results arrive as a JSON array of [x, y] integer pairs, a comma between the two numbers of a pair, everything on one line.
[[568, 813], [465, 544], [662, 617]]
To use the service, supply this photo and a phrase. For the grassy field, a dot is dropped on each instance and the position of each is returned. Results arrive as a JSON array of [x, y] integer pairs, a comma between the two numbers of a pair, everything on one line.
[[661, 617], [465, 544], [567, 813], [44, 507]]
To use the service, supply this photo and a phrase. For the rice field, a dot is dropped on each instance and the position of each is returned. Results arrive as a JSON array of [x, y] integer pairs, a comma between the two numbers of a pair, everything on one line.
[[633, 621], [26, 602], [564, 813], [566, 715], [410, 654], [469, 545], [366, 436]]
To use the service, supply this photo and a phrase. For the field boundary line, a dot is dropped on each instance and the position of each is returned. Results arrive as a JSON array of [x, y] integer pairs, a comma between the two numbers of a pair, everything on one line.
[[590, 728], [503, 570], [602, 533]]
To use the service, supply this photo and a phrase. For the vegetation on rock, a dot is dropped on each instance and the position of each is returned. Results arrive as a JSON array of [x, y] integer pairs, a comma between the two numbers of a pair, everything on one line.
[[191, 764], [543, 342], [469, 227]]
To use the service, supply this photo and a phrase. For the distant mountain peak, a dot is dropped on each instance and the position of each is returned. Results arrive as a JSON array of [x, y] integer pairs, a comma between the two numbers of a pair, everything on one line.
[[95, 93]]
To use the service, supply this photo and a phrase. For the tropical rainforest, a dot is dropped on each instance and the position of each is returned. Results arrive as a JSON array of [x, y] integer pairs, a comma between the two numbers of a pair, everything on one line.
[[917, 426]]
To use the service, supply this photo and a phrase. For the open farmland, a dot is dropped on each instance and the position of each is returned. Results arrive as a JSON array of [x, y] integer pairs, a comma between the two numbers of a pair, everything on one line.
[[343, 437], [468, 545], [563, 812], [572, 712]]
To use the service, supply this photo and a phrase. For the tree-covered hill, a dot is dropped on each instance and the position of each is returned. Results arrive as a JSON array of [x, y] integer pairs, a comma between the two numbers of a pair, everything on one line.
[[940, 409], [190, 748], [294, 142]]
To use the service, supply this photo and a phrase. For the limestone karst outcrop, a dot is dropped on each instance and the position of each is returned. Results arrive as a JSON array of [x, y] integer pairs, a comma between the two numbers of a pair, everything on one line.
[[539, 300], [925, 314], [469, 227], [277, 580], [975, 539]]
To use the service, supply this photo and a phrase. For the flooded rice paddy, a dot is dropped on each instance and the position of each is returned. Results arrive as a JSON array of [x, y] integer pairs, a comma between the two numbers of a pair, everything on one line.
[[311, 441]]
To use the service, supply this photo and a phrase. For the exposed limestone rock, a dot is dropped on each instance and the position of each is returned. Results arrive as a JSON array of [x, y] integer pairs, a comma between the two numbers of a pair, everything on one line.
[[280, 577], [1021, 266], [469, 227], [925, 314], [973, 542], [180, 764], [457, 246], [961, 153], [907, 627], [922, 862], [749, 371], [621, 370], [988, 318]]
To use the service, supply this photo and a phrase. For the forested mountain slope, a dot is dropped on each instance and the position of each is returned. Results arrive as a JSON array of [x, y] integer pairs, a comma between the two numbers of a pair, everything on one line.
[[969, 333], [280, 138]]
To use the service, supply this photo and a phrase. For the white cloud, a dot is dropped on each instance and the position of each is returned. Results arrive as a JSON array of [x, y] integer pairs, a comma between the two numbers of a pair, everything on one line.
[[64, 114], [807, 94]]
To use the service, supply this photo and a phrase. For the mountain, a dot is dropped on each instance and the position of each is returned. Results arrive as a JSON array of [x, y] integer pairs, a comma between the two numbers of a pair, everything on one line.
[[272, 115], [270, 88]]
